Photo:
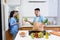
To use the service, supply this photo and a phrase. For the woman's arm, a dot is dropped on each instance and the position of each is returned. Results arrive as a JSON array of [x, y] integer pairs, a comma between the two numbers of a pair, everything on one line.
[[13, 22]]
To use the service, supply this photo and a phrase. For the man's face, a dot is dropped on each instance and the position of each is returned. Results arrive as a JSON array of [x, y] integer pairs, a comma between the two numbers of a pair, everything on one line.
[[37, 13]]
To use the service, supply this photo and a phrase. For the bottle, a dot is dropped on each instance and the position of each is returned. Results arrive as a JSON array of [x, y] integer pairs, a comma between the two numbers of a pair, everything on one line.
[[46, 35]]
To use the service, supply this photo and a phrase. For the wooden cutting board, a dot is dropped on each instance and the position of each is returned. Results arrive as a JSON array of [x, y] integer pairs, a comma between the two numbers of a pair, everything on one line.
[[55, 33]]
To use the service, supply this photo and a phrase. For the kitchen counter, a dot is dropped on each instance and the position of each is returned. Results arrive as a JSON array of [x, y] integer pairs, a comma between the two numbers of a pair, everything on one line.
[[52, 25], [47, 27], [27, 37]]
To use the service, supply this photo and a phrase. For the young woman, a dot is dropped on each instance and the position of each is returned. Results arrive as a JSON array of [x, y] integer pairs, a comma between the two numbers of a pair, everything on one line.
[[13, 25]]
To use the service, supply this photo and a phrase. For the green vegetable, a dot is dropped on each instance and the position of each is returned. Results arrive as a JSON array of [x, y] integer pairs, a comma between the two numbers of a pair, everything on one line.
[[17, 18], [40, 35], [25, 19], [32, 35], [45, 21]]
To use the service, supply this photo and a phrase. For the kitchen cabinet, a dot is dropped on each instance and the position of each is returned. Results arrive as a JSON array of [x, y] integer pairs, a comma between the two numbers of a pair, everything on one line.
[[13, 2], [6, 15], [53, 8]]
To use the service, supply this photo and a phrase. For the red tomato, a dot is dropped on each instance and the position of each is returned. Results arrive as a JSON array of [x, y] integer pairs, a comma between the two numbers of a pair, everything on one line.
[[36, 35]]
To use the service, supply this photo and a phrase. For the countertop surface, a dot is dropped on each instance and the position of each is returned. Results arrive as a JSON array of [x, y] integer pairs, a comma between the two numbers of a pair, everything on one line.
[[27, 37]]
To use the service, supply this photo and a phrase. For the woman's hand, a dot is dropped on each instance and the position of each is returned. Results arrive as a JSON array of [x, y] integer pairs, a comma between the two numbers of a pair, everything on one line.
[[18, 23]]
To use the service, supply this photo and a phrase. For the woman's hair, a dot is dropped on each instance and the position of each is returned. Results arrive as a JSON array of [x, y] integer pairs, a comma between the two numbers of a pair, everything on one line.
[[12, 13]]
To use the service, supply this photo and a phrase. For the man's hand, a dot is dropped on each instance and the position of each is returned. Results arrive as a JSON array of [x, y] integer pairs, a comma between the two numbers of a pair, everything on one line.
[[30, 22]]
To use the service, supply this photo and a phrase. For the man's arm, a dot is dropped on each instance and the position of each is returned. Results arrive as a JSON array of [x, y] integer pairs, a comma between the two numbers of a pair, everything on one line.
[[31, 22]]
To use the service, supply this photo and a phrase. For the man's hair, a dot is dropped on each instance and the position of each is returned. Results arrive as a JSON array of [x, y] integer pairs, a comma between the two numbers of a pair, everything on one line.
[[37, 9]]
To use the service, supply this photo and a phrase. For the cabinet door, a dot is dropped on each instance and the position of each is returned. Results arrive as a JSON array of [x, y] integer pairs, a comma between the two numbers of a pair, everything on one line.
[[53, 6], [6, 12], [13, 2]]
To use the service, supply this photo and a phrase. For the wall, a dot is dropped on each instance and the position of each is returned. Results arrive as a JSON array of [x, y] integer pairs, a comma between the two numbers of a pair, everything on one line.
[[49, 8], [27, 8]]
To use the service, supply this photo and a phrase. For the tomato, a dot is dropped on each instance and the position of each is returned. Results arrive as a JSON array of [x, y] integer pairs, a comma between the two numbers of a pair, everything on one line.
[[36, 35]]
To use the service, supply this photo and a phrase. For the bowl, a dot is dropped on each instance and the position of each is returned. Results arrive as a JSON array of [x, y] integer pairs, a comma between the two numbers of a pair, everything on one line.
[[22, 34]]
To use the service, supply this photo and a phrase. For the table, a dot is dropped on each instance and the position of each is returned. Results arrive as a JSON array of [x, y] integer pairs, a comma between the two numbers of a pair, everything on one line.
[[27, 37]]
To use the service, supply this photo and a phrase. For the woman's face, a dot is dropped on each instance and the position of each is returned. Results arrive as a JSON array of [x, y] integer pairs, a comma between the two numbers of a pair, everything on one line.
[[15, 14]]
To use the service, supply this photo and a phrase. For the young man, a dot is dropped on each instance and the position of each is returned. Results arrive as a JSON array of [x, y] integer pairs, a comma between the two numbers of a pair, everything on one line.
[[38, 21], [38, 17]]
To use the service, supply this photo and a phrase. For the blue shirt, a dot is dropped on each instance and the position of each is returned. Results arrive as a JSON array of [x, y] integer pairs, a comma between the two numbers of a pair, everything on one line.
[[40, 19], [13, 25]]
